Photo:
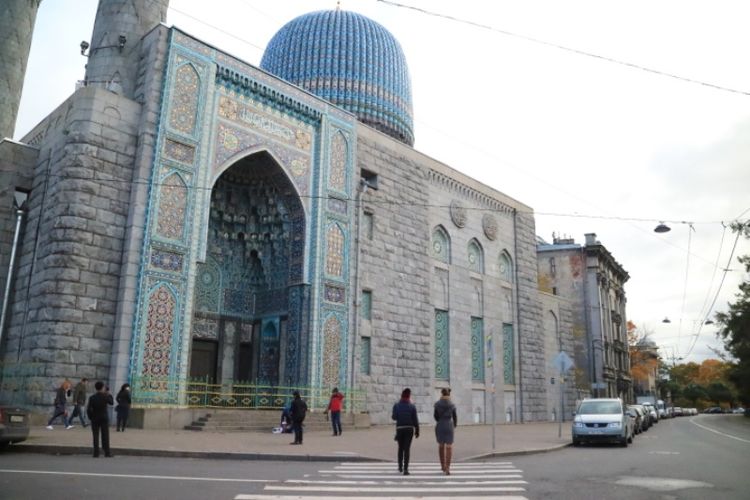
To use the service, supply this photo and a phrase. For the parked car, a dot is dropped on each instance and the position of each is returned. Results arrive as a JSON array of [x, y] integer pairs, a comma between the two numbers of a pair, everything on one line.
[[646, 420], [677, 411], [639, 417], [14, 425], [738, 410], [713, 409], [651, 409], [602, 419]]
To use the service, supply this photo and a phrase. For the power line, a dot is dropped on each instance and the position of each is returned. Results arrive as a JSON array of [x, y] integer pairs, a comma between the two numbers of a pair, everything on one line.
[[568, 49]]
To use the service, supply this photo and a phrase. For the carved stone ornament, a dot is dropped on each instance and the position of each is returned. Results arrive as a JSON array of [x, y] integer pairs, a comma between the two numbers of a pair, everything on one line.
[[489, 225], [458, 214]]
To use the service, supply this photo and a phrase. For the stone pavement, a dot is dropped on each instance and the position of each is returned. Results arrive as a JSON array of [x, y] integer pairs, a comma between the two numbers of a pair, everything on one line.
[[372, 444]]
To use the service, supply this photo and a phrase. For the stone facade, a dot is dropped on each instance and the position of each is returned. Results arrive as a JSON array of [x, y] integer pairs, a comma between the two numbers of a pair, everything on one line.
[[586, 284], [194, 216]]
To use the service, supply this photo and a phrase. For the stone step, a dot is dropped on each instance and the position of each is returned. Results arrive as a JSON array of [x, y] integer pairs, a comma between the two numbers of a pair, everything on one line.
[[258, 421]]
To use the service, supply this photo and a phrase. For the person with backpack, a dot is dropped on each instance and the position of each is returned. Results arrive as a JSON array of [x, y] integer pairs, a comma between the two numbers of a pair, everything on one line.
[[61, 402], [407, 427]]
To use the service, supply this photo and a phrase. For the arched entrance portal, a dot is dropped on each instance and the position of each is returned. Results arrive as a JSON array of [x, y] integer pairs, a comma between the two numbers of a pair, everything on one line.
[[248, 305]]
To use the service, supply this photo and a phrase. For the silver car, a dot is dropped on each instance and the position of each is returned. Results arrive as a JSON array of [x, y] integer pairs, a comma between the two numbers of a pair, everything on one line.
[[602, 419]]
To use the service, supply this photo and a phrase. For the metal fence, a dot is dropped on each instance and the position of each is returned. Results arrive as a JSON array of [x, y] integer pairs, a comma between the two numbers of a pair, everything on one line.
[[204, 393]]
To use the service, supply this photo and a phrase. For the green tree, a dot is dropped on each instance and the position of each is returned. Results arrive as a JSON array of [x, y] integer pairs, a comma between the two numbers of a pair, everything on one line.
[[694, 392], [735, 327], [719, 392]]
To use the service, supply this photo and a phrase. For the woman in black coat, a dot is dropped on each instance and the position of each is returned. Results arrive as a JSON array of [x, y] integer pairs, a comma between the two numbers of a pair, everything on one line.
[[123, 407]]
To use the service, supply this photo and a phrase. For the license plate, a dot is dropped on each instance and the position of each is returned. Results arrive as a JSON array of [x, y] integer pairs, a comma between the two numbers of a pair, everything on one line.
[[16, 419], [597, 432]]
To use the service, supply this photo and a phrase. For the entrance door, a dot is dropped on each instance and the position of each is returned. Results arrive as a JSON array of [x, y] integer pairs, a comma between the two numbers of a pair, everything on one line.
[[203, 360]]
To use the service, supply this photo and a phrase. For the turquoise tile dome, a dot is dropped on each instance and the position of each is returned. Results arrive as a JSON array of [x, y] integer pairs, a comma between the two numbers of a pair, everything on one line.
[[349, 60]]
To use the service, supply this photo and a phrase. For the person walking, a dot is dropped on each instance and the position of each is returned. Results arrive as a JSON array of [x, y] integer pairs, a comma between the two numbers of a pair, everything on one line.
[[61, 401], [407, 427], [123, 407], [334, 406], [98, 413], [79, 403], [445, 416], [298, 411]]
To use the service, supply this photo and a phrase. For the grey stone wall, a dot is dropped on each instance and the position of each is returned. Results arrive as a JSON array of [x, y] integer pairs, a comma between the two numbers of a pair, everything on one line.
[[394, 266], [16, 28], [530, 333], [16, 167], [67, 287]]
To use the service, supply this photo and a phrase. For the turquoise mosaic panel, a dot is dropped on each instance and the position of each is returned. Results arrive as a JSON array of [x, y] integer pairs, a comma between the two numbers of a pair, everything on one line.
[[366, 307], [475, 257], [508, 355], [442, 345], [477, 349], [365, 349], [441, 245]]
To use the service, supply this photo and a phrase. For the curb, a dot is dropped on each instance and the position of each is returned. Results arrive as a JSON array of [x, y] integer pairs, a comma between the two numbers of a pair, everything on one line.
[[496, 454], [135, 452]]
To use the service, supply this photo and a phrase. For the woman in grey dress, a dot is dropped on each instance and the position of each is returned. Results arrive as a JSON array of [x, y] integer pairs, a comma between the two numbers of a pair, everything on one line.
[[445, 416]]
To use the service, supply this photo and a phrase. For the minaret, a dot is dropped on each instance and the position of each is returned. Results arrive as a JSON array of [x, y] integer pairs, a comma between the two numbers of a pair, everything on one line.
[[16, 27], [114, 45]]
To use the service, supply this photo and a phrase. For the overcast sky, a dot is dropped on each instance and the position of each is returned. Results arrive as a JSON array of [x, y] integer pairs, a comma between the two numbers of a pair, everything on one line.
[[591, 145]]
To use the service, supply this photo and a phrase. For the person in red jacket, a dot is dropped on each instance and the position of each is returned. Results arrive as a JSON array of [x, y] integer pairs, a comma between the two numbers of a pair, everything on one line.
[[334, 406]]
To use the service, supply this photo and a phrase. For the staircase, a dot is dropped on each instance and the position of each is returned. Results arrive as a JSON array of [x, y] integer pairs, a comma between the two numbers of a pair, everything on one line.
[[260, 421]]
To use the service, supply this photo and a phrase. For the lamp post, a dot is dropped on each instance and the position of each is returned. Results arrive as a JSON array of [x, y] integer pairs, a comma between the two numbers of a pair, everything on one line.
[[594, 377]]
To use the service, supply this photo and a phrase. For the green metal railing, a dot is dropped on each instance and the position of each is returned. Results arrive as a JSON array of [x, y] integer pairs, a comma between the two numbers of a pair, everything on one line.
[[204, 393]]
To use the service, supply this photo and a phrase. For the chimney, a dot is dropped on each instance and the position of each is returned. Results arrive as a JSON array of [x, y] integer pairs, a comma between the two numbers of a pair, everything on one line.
[[591, 239]]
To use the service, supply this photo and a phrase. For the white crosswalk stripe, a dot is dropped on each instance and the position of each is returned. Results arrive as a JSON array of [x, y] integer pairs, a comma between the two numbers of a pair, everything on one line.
[[381, 481]]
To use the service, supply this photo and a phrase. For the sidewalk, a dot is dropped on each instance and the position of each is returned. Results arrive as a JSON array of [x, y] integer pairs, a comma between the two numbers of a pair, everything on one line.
[[373, 444]]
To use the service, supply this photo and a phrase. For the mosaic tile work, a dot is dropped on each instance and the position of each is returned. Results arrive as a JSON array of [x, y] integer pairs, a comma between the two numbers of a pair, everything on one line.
[[331, 351], [208, 286], [365, 353], [168, 261], [159, 330], [172, 205], [335, 294], [440, 245], [205, 328], [337, 206], [184, 108], [179, 152], [442, 345], [477, 349], [475, 257], [334, 251], [508, 355], [337, 174]]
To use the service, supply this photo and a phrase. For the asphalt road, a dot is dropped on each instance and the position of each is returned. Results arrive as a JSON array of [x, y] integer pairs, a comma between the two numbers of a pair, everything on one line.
[[699, 457], [689, 457]]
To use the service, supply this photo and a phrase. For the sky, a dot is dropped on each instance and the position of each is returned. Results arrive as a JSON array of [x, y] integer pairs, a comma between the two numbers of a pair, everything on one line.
[[553, 104]]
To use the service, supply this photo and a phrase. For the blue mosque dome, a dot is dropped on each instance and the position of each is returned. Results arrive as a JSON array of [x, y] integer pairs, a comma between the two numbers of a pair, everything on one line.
[[349, 60]]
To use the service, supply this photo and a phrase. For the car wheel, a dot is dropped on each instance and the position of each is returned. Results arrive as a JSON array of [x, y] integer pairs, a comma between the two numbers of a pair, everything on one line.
[[630, 439], [576, 442], [624, 442], [4, 445]]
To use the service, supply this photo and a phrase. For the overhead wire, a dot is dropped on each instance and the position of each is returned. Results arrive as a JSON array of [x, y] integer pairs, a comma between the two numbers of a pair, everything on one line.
[[568, 49]]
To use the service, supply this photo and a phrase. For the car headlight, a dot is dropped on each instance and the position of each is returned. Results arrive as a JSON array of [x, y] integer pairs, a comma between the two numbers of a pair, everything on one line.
[[614, 424], [578, 424]]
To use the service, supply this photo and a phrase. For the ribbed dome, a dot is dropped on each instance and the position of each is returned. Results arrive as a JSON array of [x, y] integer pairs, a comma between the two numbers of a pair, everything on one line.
[[349, 60]]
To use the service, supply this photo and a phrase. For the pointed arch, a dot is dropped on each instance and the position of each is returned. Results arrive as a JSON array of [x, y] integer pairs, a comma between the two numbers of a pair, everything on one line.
[[339, 155], [505, 266], [172, 208], [475, 256], [441, 244], [183, 114], [332, 331], [335, 251]]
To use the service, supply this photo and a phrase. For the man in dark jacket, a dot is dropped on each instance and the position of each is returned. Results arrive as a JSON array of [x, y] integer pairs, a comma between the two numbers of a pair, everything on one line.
[[79, 402], [407, 427], [298, 411], [98, 412]]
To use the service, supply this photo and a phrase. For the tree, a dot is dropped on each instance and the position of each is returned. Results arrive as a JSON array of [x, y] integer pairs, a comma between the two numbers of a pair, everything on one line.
[[718, 392], [644, 360], [735, 326], [694, 392]]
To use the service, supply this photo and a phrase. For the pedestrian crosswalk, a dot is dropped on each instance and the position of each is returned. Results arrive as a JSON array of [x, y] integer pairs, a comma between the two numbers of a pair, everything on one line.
[[370, 481]]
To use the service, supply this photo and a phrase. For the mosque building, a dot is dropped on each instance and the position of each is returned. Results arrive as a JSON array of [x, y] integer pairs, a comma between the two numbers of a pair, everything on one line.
[[185, 215]]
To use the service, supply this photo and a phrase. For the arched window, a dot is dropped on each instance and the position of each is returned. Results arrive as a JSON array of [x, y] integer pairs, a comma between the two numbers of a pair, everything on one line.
[[441, 245], [476, 257], [506, 267]]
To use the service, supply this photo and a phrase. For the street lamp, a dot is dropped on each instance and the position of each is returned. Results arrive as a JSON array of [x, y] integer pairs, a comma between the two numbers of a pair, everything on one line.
[[662, 228]]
